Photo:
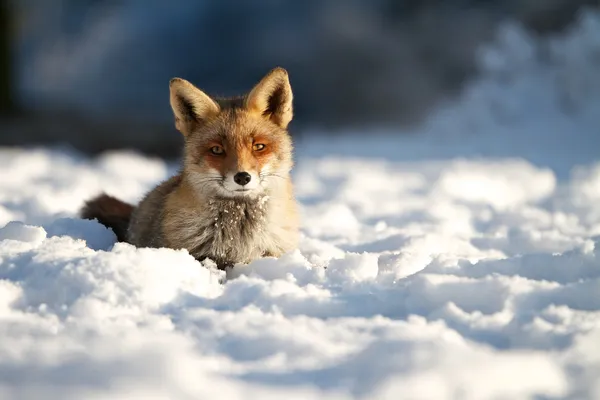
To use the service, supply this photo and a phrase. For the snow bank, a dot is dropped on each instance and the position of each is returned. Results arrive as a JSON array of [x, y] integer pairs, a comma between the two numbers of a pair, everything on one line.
[[464, 278], [452, 277], [536, 98]]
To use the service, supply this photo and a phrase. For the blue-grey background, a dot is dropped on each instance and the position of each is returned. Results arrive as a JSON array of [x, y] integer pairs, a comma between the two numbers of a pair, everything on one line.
[[94, 74]]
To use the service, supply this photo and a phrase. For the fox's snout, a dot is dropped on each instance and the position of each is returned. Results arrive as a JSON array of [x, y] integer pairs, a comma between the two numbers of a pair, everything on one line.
[[244, 182], [242, 178]]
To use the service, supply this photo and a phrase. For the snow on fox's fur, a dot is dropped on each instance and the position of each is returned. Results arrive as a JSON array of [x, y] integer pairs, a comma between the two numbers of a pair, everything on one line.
[[233, 199]]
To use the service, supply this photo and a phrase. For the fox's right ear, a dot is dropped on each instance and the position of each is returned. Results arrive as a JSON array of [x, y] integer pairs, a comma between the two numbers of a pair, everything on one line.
[[272, 98], [190, 105]]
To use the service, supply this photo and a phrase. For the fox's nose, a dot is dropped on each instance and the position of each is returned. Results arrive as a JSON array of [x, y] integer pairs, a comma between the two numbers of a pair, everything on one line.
[[242, 178]]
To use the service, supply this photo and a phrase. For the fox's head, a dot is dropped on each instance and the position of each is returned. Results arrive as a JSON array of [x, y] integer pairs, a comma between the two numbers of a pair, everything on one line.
[[239, 146]]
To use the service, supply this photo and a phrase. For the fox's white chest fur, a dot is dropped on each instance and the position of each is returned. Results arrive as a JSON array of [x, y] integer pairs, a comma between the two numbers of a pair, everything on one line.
[[236, 230]]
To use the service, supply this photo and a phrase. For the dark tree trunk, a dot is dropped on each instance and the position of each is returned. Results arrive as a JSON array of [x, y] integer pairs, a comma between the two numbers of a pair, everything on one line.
[[6, 93]]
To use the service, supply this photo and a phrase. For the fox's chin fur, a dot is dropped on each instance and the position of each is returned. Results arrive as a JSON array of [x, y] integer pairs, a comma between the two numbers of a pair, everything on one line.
[[205, 208]]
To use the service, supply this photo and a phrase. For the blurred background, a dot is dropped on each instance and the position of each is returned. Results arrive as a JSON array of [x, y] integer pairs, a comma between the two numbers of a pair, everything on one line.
[[94, 74]]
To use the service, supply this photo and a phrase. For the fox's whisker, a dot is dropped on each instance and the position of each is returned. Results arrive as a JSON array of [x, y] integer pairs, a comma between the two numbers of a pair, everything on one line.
[[266, 175], [209, 179]]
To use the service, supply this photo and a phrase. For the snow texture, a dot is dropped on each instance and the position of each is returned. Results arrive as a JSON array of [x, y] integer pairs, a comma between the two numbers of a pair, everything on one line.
[[430, 270]]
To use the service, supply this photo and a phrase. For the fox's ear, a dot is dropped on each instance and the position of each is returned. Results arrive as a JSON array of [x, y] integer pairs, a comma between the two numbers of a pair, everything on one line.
[[272, 98], [190, 105]]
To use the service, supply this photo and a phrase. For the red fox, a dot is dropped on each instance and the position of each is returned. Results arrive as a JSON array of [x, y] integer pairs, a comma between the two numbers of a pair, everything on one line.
[[232, 200]]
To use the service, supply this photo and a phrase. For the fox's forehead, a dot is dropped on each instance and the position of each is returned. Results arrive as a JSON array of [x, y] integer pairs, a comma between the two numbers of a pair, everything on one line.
[[237, 127]]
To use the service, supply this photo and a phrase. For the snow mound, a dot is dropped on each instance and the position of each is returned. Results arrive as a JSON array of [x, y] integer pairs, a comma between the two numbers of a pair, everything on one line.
[[536, 97], [22, 233]]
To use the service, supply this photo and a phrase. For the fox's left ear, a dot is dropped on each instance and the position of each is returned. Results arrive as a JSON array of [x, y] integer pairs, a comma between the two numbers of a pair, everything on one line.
[[272, 98], [191, 106]]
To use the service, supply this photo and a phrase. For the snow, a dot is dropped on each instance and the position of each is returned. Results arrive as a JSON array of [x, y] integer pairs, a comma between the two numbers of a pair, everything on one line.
[[462, 266]]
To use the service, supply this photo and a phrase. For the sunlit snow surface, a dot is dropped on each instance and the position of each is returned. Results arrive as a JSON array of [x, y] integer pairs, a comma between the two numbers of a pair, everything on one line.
[[461, 261]]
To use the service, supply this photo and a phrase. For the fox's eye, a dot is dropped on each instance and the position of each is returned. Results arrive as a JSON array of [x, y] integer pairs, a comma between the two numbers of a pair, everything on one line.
[[217, 150], [258, 147]]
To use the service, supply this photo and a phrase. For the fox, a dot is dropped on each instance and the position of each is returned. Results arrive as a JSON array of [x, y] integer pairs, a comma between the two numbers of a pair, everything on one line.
[[232, 200]]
